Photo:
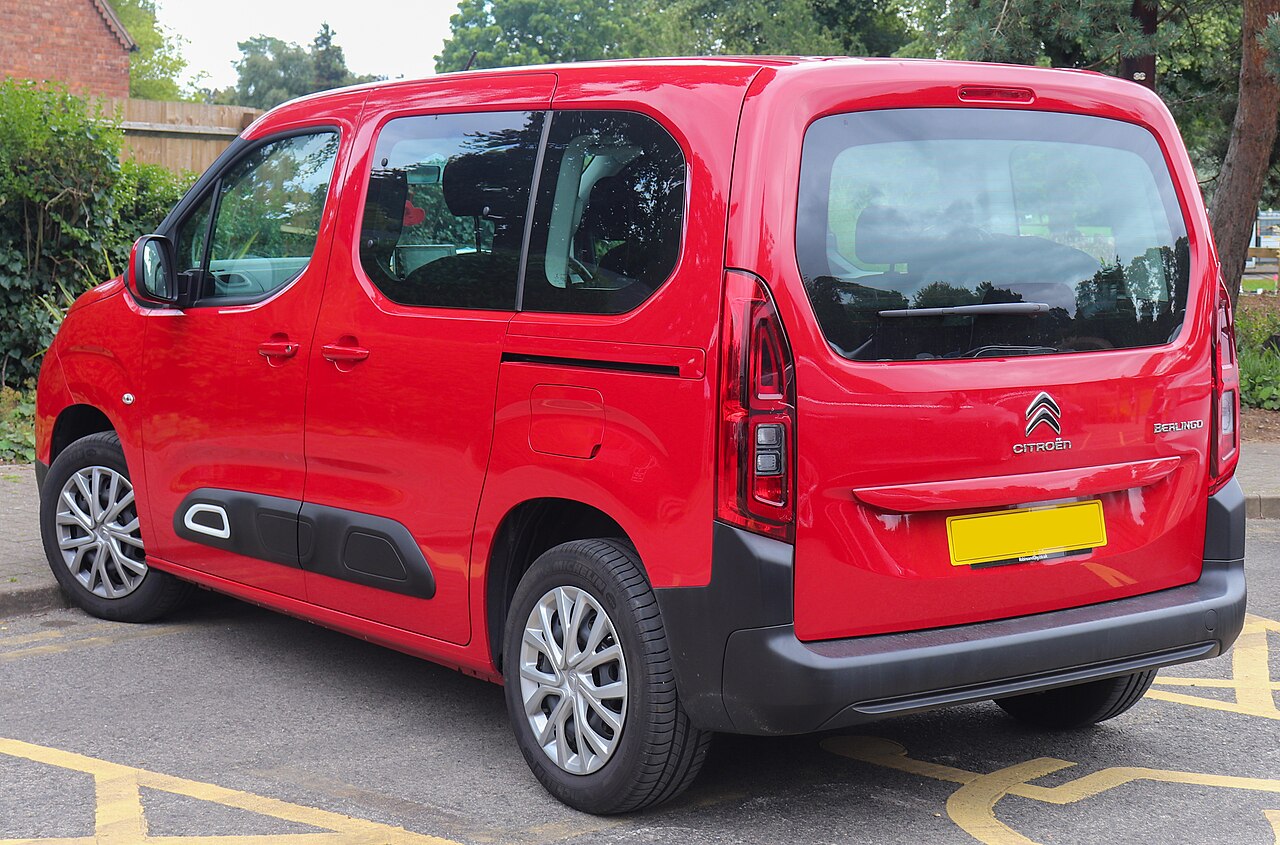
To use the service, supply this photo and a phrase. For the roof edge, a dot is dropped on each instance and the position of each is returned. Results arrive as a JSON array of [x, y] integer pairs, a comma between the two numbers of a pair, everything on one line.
[[113, 23]]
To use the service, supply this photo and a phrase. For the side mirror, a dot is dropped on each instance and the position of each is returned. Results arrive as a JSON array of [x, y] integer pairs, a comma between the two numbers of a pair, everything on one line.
[[151, 274]]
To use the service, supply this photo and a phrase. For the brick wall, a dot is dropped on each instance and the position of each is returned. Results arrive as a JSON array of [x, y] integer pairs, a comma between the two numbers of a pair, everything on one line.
[[67, 40]]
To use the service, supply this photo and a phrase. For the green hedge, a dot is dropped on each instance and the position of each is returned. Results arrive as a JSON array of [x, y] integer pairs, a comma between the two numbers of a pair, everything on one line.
[[69, 211]]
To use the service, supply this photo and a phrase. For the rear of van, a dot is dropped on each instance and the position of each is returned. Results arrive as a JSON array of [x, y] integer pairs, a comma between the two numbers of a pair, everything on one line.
[[979, 394]]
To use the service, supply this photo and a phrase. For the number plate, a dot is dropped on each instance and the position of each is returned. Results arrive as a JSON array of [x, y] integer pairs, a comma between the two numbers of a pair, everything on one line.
[[1025, 534]]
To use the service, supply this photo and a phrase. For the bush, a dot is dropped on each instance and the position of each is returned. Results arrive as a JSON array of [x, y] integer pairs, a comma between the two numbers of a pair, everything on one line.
[[1260, 378], [17, 425], [69, 211]]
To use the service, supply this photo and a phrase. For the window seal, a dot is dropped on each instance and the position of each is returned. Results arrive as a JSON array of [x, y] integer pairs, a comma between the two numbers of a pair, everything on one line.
[[547, 117]]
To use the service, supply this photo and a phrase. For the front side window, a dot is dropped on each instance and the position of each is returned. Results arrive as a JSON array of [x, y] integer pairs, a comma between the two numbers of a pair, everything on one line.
[[965, 233], [267, 209], [444, 216], [607, 227]]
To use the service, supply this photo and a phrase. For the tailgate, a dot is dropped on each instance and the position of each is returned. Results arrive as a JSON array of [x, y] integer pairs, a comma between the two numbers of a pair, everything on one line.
[[1010, 411]]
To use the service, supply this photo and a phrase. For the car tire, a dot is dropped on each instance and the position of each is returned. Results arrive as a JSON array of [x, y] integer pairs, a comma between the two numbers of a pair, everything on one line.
[[1081, 704], [90, 528], [618, 661]]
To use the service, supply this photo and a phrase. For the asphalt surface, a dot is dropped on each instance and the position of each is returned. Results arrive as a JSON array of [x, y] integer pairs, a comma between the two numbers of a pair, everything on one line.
[[229, 720]]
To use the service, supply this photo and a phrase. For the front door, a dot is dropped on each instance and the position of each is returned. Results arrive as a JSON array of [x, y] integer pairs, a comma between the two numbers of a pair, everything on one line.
[[225, 379], [422, 284]]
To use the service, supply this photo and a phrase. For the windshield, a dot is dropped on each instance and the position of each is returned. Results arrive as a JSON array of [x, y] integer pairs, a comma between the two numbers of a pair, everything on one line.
[[968, 233]]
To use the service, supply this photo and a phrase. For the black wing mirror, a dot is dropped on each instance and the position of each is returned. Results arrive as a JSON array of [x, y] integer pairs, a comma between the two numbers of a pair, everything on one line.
[[151, 276]]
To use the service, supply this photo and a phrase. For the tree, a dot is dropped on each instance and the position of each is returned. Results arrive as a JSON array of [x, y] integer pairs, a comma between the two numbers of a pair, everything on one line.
[[271, 71], [517, 32], [1234, 206], [503, 33], [1212, 72], [154, 69], [329, 60]]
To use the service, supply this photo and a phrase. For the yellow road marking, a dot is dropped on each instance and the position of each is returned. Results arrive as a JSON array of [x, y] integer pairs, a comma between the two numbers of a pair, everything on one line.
[[972, 806], [120, 819], [1250, 676], [7, 643], [70, 645]]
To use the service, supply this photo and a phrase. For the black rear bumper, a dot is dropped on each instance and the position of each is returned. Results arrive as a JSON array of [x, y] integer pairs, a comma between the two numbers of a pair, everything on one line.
[[740, 667]]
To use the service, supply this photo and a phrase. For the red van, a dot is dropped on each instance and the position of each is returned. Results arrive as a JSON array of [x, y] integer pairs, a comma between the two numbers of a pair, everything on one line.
[[751, 395]]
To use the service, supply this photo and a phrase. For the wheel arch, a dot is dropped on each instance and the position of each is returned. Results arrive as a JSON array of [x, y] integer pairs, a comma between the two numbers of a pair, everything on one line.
[[74, 422], [525, 532]]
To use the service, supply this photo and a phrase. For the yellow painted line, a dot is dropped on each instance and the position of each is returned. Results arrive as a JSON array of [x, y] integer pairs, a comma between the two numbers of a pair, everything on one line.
[[120, 819], [972, 806], [1255, 689], [24, 639], [132, 633], [7, 643]]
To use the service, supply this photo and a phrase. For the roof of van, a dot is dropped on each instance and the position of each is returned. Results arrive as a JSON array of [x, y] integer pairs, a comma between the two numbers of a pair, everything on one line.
[[784, 65]]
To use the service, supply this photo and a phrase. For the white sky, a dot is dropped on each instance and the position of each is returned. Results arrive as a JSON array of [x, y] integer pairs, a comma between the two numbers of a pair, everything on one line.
[[390, 38]]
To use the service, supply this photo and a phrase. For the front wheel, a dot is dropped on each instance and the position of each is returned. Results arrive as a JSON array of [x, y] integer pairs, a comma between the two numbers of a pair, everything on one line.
[[92, 537], [589, 682], [1081, 704]]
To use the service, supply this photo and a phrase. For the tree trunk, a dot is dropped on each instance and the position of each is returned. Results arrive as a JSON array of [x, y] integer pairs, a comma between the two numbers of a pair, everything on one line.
[[1234, 206], [1142, 69]]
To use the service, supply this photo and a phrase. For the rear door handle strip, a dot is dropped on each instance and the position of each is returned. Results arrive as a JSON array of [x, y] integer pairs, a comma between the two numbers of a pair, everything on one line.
[[1006, 489]]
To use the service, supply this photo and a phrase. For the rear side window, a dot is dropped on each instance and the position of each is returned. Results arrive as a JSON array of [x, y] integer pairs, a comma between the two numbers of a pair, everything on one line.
[[606, 232], [444, 217], [954, 233]]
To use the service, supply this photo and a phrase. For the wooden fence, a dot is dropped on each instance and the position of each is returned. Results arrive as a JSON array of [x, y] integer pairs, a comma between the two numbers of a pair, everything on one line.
[[179, 136]]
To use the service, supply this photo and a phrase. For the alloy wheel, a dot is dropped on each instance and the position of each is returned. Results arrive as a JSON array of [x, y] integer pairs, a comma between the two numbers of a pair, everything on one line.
[[98, 533]]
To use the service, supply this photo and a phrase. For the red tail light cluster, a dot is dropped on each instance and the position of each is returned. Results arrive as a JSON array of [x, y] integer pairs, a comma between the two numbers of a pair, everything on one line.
[[1226, 394], [757, 460]]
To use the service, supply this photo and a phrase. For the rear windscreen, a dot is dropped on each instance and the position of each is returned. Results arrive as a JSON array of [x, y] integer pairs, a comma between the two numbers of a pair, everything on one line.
[[970, 233]]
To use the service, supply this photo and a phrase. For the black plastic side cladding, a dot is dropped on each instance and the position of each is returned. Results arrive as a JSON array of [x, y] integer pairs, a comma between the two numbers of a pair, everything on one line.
[[364, 549], [751, 587], [262, 527], [360, 548]]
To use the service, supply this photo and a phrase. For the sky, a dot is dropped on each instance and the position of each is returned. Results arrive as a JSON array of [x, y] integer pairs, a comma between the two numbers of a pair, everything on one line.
[[391, 38]]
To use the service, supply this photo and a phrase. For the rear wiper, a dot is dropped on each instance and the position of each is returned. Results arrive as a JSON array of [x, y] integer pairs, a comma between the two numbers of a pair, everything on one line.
[[973, 310], [1004, 351]]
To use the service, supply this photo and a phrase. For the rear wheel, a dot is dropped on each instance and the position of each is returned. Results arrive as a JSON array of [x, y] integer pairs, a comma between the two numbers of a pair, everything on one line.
[[93, 539], [589, 682], [1081, 704]]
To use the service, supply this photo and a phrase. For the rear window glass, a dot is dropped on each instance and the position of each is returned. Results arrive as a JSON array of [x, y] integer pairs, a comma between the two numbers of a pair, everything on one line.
[[969, 233]]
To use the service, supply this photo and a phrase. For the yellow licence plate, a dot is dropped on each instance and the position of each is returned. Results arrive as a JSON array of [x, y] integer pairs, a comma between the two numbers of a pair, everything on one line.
[[1025, 534]]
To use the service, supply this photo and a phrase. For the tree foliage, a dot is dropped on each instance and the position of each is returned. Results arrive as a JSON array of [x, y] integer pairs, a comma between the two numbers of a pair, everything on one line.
[[271, 71], [155, 68], [503, 33], [69, 211]]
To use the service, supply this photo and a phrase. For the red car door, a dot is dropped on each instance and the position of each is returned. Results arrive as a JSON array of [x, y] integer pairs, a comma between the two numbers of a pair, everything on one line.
[[404, 370], [225, 378]]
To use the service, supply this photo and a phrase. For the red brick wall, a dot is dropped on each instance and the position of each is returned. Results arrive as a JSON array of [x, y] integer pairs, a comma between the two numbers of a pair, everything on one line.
[[66, 40]]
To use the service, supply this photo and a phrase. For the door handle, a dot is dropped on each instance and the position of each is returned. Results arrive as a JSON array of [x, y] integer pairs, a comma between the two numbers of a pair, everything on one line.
[[341, 353], [278, 349]]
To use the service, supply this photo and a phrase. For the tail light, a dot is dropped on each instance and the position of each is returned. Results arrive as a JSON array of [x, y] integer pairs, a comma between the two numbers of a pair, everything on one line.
[[757, 460], [1226, 394]]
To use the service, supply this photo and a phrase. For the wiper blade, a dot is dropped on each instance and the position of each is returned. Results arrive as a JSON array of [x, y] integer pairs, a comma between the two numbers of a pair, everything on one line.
[[990, 308]]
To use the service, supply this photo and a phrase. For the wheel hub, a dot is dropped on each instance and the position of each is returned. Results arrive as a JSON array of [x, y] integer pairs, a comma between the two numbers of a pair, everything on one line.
[[98, 532], [573, 680]]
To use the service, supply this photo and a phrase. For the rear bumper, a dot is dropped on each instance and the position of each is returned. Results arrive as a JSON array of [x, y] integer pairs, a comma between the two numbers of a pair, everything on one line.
[[750, 674]]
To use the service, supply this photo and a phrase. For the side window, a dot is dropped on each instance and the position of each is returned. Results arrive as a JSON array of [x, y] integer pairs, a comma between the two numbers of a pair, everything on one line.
[[610, 213], [267, 210], [444, 217]]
